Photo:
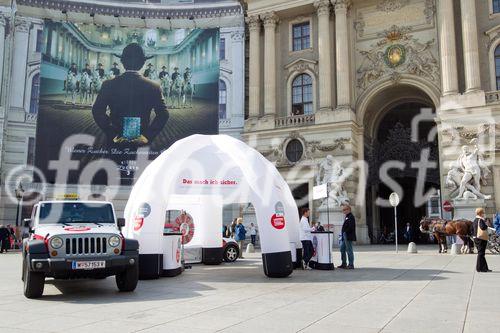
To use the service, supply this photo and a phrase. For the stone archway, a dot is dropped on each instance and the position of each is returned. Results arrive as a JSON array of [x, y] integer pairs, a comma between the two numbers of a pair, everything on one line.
[[397, 121]]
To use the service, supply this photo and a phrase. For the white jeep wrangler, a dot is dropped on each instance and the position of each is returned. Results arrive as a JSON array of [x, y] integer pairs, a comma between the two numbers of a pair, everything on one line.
[[77, 239]]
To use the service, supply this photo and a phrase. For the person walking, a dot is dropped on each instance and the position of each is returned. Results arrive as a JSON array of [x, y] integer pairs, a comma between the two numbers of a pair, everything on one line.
[[348, 236], [306, 239], [253, 233], [12, 237], [408, 234], [240, 235], [481, 239], [4, 239], [232, 228]]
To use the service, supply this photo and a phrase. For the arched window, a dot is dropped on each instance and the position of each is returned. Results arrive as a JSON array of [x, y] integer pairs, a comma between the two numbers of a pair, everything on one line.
[[222, 99], [497, 66], [302, 95], [35, 93]]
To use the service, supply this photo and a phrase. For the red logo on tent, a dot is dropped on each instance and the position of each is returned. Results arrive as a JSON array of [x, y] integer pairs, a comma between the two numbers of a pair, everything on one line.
[[178, 255], [138, 223], [278, 221]]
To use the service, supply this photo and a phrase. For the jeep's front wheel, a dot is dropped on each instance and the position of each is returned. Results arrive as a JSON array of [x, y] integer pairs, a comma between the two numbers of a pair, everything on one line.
[[33, 282], [127, 280]]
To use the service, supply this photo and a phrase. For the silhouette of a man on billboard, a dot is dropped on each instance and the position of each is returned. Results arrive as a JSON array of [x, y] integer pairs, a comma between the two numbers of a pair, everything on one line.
[[131, 99]]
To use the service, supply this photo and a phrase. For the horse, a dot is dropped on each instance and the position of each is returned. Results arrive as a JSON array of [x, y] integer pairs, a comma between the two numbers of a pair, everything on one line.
[[177, 92], [95, 86], [188, 91], [166, 84], [441, 228], [70, 87], [85, 88]]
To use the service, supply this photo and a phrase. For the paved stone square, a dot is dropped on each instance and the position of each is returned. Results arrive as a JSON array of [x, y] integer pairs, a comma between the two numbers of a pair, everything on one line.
[[388, 292]]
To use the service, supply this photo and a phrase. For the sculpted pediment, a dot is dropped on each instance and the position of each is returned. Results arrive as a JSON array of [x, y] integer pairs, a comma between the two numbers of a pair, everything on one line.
[[301, 65]]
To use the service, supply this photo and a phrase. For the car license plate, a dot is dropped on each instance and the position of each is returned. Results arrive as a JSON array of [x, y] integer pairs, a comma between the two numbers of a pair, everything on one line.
[[88, 264]]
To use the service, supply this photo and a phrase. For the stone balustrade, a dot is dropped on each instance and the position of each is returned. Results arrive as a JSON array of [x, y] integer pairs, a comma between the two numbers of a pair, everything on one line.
[[31, 117], [225, 123], [295, 121]]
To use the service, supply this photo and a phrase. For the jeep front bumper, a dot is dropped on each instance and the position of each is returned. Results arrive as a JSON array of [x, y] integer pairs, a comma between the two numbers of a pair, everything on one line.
[[64, 266]]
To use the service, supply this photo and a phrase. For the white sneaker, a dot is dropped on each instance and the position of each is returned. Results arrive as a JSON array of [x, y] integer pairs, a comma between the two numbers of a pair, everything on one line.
[[308, 268]]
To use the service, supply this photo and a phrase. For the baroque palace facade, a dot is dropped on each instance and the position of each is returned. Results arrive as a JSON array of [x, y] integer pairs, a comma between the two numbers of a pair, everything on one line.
[[347, 92], [367, 82], [26, 44]]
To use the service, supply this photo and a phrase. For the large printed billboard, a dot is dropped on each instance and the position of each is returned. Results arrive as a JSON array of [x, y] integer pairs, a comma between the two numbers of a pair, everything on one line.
[[113, 98]]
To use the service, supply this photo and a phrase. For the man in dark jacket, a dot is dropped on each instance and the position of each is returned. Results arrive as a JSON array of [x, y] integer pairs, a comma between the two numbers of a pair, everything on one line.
[[348, 236], [100, 70], [73, 69], [130, 96], [163, 72], [87, 70], [147, 72], [115, 69]]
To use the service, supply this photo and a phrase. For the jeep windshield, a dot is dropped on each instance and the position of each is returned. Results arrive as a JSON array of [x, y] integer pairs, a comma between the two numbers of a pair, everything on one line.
[[75, 212]]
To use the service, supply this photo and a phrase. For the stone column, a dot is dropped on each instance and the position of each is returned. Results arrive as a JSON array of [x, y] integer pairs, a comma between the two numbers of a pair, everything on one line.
[[59, 46], [254, 66], [215, 53], [270, 22], [448, 50], [238, 82], [3, 22], [470, 46], [21, 42], [342, 54], [325, 61], [66, 48], [48, 45], [53, 43]]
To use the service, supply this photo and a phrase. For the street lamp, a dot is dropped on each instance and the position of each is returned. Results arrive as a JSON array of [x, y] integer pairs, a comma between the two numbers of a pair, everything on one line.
[[19, 196]]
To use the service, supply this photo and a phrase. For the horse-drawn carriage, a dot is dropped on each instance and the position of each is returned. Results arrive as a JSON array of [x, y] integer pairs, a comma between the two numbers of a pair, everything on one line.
[[441, 228]]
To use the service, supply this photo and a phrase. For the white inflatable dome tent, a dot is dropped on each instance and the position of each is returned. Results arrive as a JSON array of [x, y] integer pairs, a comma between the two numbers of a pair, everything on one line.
[[212, 171]]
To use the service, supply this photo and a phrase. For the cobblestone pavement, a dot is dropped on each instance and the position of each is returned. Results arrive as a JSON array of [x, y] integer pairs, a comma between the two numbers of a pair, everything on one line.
[[388, 292]]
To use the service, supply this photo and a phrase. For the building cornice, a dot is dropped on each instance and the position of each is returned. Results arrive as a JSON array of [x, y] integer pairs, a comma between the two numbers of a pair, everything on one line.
[[148, 11]]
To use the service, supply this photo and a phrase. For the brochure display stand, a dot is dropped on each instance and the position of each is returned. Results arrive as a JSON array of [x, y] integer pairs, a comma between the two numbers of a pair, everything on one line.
[[172, 254], [202, 173], [322, 243]]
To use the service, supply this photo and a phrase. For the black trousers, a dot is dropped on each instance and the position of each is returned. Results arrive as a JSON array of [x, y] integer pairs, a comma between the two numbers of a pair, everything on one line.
[[307, 248], [5, 244], [481, 264]]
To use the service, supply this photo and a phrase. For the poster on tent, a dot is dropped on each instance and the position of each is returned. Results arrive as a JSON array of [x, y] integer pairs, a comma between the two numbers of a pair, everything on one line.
[[116, 98]]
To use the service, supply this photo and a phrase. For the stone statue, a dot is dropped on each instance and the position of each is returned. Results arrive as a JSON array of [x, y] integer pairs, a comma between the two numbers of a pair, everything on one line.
[[468, 173], [332, 174]]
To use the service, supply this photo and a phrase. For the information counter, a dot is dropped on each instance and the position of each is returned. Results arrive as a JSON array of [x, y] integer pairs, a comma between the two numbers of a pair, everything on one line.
[[323, 244]]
